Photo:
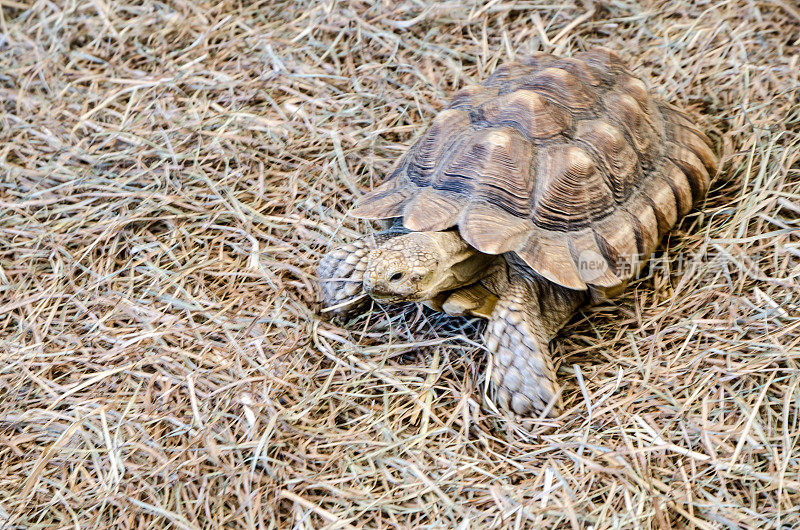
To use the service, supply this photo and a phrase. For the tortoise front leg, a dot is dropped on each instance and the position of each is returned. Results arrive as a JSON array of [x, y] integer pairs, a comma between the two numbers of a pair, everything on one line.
[[525, 318], [341, 273]]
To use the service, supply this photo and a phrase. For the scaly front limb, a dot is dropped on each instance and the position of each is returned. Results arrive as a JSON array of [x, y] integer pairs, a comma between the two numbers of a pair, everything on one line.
[[341, 273], [525, 318]]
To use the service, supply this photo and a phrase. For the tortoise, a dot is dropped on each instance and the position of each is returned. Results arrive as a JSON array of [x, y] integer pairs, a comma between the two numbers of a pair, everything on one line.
[[540, 190]]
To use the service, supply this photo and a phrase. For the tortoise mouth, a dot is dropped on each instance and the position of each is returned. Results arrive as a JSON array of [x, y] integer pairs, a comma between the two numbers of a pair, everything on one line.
[[389, 298], [395, 297]]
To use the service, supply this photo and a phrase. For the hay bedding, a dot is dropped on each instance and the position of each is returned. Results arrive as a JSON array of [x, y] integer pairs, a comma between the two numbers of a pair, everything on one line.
[[171, 174]]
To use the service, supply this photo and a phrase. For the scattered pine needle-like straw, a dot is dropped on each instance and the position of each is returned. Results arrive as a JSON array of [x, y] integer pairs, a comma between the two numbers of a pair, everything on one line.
[[171, 174]]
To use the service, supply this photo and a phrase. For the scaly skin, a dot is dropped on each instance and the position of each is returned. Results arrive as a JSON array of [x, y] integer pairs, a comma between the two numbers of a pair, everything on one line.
[[529, 313], [441, 269], [341, 273]]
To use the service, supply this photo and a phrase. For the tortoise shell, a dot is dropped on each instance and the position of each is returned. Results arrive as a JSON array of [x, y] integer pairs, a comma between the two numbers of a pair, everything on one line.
[[559, 160]]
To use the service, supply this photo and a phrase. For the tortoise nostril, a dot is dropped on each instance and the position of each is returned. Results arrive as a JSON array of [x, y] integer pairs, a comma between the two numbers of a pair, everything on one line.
[[397, 276]]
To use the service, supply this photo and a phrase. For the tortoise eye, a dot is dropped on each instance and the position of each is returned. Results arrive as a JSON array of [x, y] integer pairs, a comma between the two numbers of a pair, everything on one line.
[[396, 277]]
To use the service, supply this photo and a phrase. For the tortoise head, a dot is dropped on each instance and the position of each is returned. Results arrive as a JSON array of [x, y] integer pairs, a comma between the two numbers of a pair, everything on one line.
[[420, 265]]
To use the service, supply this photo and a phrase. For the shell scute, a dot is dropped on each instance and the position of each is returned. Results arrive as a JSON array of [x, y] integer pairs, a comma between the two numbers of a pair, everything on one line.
[[491, 229], [634, 120], [592, 264], [538, 60], [691, 165], [433, 210], [660, 196], [429, 149], [615, 153], [616, 237], [561, 87], [495, 165], [635, 88], [603, 59], [580, 69], [551, 258], [385, 201], [472, 96], [645, 224], [528, 112], [698, 143], [679, 184], [570, 191], [507, 74]]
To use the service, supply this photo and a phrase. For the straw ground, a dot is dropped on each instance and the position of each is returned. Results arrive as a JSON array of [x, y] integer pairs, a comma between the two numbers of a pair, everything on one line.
[[171, 172]]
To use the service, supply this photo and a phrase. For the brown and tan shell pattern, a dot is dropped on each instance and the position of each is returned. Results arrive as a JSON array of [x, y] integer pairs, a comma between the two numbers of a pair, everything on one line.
[[569, 162]]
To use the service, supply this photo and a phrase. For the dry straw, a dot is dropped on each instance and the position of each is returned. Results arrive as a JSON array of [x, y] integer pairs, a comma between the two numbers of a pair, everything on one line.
[[172, 172]]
